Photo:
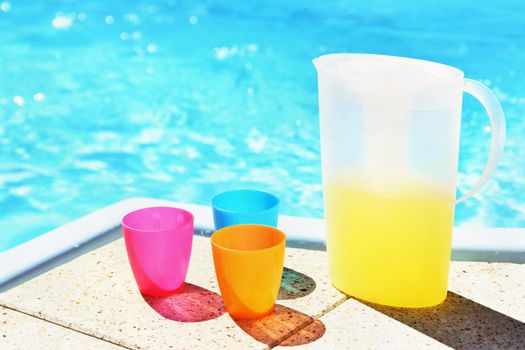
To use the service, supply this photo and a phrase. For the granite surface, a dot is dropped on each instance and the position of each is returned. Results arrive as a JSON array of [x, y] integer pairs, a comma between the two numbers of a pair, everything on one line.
[[357, 326], [96, 294], [95, 297], [20, 331]]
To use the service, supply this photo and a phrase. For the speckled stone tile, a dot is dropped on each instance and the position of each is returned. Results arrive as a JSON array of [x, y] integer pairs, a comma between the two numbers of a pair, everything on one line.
[[484, 309], [20, 331], [500, 286], [306, 285], [96, 294], [354, 325]]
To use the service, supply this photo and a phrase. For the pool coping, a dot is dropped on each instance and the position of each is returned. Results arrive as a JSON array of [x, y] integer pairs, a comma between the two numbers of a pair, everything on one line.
[[470, 244]]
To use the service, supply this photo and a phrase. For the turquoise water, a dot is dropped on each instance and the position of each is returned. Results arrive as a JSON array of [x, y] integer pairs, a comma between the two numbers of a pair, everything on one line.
[[102, 101]]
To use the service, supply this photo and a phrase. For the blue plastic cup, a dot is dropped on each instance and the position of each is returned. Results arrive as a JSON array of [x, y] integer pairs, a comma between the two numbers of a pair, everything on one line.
[[245, 207]]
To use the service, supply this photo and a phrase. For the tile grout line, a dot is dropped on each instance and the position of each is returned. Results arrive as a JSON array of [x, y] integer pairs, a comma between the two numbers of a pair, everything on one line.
[[62, 326], [332, 307], [301, 327], [316, 317]]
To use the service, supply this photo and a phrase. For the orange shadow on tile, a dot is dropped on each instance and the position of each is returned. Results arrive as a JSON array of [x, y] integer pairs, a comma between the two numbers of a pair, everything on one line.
[[284, 326], [191, 304], [308, 334], [295, 285]]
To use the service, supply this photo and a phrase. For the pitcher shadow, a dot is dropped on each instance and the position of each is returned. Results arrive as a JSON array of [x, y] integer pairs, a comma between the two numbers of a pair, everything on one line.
[[461, 324], [295, 285], [190, 304], [285, 327]]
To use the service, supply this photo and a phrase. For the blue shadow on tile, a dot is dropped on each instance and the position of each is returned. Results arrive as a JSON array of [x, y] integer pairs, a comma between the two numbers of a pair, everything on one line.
[[295, 285]]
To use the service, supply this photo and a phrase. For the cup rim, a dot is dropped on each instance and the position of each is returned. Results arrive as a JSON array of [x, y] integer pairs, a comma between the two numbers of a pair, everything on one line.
[[252, 251], [188, 219], [226, 193]]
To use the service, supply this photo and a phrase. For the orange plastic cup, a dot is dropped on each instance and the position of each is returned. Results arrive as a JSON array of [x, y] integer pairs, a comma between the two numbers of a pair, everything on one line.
[[248, 262]]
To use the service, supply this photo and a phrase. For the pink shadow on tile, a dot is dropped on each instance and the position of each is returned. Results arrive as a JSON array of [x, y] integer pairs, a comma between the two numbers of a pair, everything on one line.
[[190, 304]]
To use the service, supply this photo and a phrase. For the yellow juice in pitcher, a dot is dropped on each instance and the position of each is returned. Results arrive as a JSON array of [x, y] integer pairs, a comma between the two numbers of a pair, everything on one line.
[[391, 248]]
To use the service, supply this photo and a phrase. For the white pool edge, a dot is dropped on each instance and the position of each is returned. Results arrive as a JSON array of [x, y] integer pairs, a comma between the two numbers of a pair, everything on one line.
[[480, 244]]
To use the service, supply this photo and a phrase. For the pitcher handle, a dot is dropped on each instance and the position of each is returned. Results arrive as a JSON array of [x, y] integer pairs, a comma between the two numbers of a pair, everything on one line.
[[497, 123]]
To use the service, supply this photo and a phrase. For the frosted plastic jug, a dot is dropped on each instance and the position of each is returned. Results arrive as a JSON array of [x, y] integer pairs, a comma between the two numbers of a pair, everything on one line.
[[389, 145]]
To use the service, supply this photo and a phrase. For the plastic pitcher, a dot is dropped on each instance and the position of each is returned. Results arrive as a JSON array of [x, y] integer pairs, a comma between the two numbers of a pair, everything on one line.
[[390, 142]]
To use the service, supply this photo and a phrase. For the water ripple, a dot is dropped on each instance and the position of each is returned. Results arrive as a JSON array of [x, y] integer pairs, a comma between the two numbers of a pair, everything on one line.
[[179, 101]]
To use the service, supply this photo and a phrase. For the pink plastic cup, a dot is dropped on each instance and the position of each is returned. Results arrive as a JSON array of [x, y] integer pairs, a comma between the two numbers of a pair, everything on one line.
[[158, 242]]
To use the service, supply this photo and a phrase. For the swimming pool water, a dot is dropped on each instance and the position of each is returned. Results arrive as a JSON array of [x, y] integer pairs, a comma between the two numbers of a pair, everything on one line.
[[102, 101]]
